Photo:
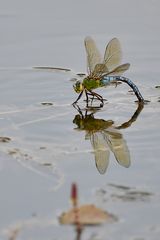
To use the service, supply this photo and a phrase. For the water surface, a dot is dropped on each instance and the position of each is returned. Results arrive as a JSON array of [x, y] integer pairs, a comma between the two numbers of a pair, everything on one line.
[[42, 150]]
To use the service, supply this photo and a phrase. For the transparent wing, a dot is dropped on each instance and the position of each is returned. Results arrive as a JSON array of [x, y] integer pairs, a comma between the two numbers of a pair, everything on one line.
[[101, 151], [118, 70], [118, 146], [93, 54], [113, 54], [99, 70]]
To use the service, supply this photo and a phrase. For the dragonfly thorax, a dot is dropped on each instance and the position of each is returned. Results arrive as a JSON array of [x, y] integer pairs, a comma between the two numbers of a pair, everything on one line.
[[90, 83]]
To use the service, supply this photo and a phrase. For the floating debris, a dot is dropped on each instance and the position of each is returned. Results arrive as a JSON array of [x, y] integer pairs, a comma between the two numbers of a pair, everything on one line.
[[5, 139], [133, 196], [124, 193], [158, 86], [47, 164], [119, 186], [81, 74], [19, 154], [42, 148], [47, 103], [53, 68]]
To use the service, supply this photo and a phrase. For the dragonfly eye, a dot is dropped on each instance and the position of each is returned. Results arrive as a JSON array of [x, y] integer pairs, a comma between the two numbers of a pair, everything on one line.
[[78, 87]]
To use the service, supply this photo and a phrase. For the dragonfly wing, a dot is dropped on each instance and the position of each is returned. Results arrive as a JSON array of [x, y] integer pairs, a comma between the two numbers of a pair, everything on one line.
[[119, 147], [93, 54], [101, 151], [113, 54], [100, 69], [118, 70]]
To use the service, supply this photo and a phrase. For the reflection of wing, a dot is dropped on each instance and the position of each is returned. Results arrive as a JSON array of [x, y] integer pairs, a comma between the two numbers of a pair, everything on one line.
[[93, 55], [118, 70], [113, 54], [101, 151], [118, 146]]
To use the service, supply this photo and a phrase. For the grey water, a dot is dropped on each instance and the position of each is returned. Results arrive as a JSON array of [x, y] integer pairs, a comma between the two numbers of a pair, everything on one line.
[[43, 149]]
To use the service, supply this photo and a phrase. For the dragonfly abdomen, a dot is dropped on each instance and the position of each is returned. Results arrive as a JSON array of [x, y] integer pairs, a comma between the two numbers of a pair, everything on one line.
[[108, 79], [133, 86]]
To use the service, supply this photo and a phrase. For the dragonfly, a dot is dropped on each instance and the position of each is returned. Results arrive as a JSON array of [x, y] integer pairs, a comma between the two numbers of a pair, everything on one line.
[[105, 137], [103, 71]]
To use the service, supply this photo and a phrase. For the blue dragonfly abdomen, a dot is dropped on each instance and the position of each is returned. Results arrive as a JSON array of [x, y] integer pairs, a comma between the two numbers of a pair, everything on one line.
[[109, 79]]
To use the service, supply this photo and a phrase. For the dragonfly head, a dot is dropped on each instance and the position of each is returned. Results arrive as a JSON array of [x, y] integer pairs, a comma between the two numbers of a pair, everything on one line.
[[78, 87]]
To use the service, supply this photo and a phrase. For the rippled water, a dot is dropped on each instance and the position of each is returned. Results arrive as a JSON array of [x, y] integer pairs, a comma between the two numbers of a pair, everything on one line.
[[45, 143]]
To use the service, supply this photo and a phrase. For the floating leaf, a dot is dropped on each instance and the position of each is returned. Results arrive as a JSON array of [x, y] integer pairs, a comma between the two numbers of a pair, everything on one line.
[[87, 215]]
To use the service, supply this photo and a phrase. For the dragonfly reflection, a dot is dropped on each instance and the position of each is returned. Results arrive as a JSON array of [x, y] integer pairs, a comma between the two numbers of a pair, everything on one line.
[[105, 137]]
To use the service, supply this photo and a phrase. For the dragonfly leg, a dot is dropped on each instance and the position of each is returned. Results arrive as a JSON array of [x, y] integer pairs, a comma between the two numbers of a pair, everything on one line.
[[80, 95], [87, 99], [99, 97], [75, 105], [92, 98]]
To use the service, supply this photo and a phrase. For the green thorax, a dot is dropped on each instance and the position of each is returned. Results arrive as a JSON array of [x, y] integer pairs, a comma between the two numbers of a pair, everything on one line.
[[91, 83], [91, 124]]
